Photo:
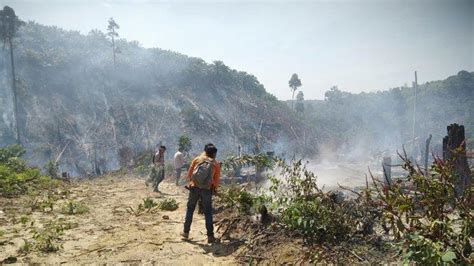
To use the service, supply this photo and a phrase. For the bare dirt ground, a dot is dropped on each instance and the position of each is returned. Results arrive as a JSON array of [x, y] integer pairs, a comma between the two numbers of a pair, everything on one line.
[[110, 234]]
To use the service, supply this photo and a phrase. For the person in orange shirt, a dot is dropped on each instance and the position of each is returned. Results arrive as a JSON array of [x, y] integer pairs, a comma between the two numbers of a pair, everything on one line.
[[206, 166]]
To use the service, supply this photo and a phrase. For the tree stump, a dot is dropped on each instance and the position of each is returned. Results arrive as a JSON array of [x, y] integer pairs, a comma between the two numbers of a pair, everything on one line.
[[454, 151]]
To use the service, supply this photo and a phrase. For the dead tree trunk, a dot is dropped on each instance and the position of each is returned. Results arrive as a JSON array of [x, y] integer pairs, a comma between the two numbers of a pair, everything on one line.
[[15, 101], [454, 151]]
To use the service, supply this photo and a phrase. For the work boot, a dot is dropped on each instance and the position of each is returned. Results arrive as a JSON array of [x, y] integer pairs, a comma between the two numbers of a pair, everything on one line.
[[211, 239], [184, 236]]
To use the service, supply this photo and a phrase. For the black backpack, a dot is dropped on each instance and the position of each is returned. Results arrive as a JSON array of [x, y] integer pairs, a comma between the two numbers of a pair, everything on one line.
[[202, 174]]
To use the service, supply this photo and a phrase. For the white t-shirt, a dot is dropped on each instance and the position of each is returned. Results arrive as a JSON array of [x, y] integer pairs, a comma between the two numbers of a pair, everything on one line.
[[178, 160]]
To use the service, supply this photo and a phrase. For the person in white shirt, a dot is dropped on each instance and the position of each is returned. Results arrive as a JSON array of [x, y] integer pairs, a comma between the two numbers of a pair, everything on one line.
[[178, 164]]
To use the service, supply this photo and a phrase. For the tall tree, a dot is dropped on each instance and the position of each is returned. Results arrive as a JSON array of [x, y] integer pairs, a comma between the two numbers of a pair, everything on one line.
[[113, 34], [300, 102], [9, 25], [294, 83]]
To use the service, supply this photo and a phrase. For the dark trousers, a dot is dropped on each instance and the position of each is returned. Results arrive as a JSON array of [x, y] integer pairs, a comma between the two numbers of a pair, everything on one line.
[[206, 198]]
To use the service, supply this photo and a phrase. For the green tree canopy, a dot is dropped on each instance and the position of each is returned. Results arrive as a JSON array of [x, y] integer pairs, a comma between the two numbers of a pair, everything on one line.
[[294, 84]]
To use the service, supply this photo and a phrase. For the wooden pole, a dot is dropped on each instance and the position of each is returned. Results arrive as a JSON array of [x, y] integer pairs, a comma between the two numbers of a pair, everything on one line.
[[415, 85]]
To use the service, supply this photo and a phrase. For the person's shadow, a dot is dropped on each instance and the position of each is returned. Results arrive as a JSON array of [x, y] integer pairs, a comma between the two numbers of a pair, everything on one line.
[[219, 249]]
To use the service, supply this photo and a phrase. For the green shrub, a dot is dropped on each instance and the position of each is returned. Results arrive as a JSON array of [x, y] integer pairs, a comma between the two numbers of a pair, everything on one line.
[[425, 251], [304, 208], [149, 203], [235, 196], [16, 178], [47, 239], [184, 143], [432, 223], [73, 208], [12, 151], [168, 205], [52, 169]]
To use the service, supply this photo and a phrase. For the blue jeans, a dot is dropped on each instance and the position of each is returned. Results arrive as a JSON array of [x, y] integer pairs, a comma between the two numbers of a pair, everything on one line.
[[206, 198]]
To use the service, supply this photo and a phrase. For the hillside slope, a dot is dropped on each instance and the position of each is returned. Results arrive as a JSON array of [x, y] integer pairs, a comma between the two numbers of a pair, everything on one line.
[[367, 123], [73, 98]]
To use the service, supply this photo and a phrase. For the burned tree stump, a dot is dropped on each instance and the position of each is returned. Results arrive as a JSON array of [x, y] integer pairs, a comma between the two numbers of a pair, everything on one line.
[[454, 151]]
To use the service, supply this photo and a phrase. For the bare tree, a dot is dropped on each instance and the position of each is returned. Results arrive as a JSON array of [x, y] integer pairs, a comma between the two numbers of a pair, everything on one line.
[[113, 34]]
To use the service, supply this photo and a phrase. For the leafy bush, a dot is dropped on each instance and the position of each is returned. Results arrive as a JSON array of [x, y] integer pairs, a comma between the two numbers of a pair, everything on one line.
[[235, 196], [432, 223], [304, 208], [52, 169], [47, 239], [148, 205], [16, 178], [184, 143], [73, 208], [168, 205], [12, 151]]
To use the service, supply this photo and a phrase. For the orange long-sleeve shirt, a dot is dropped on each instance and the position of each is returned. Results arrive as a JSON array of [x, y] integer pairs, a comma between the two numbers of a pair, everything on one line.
[[215, 171]]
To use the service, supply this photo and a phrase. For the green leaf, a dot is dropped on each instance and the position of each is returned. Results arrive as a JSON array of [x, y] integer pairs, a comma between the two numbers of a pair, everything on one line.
[[448, 256]]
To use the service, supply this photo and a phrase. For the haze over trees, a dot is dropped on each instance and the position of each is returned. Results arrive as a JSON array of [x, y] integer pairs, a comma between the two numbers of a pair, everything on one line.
[[81, 108], [79, 105]]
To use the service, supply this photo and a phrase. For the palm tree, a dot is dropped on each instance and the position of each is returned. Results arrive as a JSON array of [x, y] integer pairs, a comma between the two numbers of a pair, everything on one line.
[[294, 83], [112, 32], [9, 25]]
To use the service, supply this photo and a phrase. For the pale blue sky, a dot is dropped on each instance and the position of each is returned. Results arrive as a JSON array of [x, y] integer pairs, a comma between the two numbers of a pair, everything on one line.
[[357, 45]]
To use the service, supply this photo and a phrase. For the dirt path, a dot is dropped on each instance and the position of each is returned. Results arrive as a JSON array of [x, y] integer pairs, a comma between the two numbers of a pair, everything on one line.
[[108, 233]]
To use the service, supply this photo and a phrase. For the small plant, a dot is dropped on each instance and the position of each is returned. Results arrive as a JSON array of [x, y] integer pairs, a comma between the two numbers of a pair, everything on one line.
[[73, 208], [168, 205], [2, 233], [24, 220], [47, 238], [148, 205], [52, 169]]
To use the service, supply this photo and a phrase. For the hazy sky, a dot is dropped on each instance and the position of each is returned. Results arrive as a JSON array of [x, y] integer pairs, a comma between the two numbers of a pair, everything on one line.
[[357, 45]]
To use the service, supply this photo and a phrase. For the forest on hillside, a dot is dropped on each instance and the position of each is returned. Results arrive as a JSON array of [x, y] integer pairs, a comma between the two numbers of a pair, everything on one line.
[[73, 96], [87, 101], [369, 123]]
